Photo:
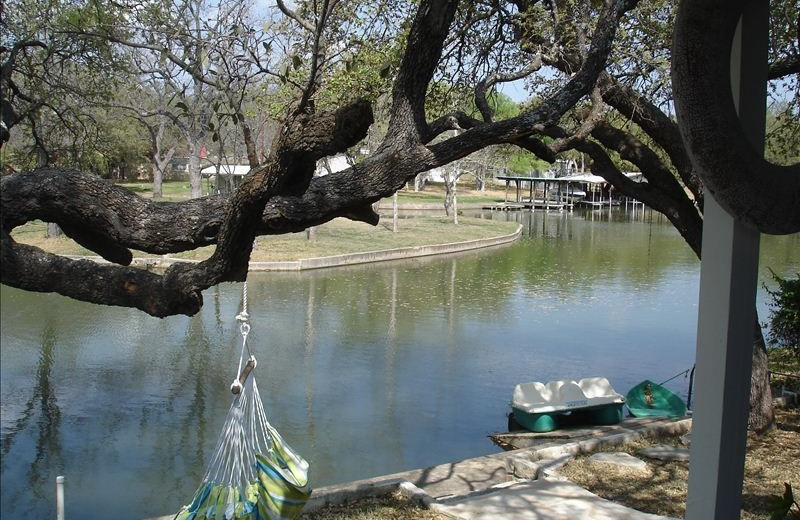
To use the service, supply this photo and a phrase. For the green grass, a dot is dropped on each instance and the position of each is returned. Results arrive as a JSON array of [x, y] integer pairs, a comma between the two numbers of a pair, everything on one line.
[[171, 190], [434, 194], [431, 194], [340, 236]]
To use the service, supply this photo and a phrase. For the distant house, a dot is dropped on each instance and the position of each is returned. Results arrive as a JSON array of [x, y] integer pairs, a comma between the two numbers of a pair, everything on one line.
[[333, 164], [224, 178], [339, 162]]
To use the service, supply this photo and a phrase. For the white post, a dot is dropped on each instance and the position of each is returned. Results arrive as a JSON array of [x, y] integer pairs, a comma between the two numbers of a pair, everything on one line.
[[60, 497], [728, 281]]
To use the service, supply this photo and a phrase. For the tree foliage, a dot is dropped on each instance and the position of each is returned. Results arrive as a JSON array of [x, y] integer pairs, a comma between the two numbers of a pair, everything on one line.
[[431, 70], [784, 319]]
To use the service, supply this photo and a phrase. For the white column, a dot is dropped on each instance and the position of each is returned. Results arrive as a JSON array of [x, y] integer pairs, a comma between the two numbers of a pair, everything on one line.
[[728, 281]]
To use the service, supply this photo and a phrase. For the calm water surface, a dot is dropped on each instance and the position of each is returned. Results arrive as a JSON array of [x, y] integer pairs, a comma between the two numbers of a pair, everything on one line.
[[365, 370]]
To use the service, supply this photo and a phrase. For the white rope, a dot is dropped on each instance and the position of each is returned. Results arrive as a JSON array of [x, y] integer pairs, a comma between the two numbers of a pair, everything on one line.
[[244, 328], [246, 434]]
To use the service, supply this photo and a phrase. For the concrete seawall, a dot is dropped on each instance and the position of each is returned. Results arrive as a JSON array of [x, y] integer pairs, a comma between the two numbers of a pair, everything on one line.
[[347, 259]]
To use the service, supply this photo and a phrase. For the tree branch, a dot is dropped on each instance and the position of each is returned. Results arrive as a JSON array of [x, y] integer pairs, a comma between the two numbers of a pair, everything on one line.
[[407, 122], [104, 218], [784, 67]]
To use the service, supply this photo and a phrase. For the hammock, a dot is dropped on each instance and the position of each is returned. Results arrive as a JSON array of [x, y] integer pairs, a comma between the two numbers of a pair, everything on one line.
[[253, 474]]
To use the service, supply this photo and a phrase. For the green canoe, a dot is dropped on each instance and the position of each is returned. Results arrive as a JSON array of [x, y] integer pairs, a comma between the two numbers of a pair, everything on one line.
[[648, 399]]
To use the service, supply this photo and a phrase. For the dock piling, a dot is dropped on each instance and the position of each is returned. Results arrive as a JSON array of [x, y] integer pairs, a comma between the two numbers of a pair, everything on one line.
[[60, 497]]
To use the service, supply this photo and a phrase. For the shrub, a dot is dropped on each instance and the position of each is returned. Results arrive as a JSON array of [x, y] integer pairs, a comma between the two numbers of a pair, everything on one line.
[[784, 319]]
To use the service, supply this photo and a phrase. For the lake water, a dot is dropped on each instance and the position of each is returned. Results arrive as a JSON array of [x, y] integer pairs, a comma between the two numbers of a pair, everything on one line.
[[365, 370]]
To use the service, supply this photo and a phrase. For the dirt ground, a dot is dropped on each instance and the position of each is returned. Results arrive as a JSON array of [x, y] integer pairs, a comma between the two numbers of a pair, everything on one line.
[[390, 507], [661, 489]]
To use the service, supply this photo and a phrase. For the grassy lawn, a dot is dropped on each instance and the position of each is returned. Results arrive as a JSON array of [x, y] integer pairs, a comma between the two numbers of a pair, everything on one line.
[[339, 236], [171, 190], [434, 194], [772, 459], [390, 507], [431, 194]]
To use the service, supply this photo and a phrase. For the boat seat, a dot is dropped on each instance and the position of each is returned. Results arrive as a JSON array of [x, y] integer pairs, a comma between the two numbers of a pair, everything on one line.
[[564, 395], [532, 394]]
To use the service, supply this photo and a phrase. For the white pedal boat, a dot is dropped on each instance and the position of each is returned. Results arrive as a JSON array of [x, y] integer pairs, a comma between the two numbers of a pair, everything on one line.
[[544, 407]]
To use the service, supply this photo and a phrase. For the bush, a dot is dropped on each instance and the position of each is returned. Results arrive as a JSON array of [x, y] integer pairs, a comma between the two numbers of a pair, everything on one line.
[[784, 319]]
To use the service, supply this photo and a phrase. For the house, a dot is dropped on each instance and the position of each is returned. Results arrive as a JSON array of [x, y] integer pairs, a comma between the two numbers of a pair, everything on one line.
[[224, 178]]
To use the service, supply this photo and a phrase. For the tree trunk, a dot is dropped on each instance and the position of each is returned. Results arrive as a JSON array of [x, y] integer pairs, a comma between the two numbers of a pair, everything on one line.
[[762, 415], [159, 163], [448, 198], [394, 213], [455, 208], [250, 145], [194, 169], [450, 180], [158, 179], [53, 230]]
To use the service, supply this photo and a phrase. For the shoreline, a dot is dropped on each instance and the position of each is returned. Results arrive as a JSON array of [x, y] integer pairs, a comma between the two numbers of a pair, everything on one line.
[[324, 262], [441, 486]]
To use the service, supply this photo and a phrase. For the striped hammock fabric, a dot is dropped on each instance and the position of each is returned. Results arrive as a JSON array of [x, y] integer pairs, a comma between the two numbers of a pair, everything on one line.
[[253, 474]]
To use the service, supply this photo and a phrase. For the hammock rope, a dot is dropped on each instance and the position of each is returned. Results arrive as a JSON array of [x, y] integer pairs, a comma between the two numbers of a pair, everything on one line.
[[253, 474]]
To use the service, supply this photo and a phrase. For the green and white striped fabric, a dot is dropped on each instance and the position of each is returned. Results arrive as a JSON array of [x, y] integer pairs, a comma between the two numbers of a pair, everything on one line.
[[253, 473]]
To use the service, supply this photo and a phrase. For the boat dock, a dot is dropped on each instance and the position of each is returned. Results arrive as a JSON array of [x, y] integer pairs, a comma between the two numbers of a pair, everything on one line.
[[526, 204], [523, 439], [558, 193]]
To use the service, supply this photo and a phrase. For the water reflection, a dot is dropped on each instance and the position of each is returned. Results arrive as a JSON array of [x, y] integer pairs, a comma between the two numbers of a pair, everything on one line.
[[43, 404], [365, 370]]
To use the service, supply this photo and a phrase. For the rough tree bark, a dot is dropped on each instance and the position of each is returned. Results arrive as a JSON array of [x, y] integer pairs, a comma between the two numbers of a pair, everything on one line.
[[663, 192], [195, 182], [159, 158], [760, 194], [277, 197]]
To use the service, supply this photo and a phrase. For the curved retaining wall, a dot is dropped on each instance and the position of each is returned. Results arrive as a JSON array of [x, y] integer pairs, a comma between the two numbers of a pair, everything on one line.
[[387, 254], [348, 259]]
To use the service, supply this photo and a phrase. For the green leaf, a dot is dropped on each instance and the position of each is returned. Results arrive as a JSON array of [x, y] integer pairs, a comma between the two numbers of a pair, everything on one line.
[[296, 62], [182, 106]]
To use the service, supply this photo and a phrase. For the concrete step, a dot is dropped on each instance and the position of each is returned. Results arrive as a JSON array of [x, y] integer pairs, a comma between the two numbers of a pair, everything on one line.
[[540, 500]]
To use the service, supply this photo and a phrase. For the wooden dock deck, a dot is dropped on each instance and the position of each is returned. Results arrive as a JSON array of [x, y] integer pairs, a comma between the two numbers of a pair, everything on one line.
[[526, 204], [527, 439]]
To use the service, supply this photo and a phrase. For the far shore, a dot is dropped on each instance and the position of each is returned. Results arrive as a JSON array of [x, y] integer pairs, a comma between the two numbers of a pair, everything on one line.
[[336, 243]]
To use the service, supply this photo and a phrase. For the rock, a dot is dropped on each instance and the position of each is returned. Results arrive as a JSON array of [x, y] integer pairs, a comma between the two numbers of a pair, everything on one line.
[[686, 440], [623, 460], [524, 468], [521, 467], [548, 468], [665, 452]]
